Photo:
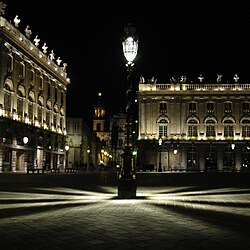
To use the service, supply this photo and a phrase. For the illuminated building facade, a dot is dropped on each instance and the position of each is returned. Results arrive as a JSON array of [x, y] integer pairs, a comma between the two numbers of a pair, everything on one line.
[[82, 144], [32, 102], [110, 134], [194, 126]]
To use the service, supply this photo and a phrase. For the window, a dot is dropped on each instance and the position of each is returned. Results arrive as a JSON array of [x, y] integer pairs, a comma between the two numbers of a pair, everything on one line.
[[228, 128], [7, 102], [20, 106], [228, 157], [211, 158], [210, 107], [30, 111], [210, 128], [245, 128], [228, 107], [98, 127], [192, 107], [192, 128], [39, 114], [245, 107], [192, 158], [21, 70], [163, 128], [47, 117], [163, 107], [54, 120]]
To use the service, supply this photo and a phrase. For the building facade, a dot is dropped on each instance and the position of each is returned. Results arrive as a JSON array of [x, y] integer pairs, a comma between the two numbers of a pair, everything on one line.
[[81, 140], [32, 102], [110, 133], [194, 127]]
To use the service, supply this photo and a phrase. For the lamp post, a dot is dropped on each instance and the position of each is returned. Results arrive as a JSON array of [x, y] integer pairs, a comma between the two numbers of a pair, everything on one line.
[[67, 155], [160, 148], [127, 176]]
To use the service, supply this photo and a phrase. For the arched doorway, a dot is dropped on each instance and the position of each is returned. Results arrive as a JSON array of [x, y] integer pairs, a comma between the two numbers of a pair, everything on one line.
[[192, 158], [211, 158]]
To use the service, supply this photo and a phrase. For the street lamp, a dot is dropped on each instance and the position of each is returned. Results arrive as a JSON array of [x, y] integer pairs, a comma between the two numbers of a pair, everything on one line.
[[67, 155], [160, 148], [25, 140], [127, 176]]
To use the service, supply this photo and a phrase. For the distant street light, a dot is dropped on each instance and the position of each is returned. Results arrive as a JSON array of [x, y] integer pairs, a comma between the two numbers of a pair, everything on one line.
[[25, 140], [127, 176]]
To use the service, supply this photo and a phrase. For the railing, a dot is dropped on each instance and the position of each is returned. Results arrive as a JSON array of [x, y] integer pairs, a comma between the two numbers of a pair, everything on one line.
[[196, 87]]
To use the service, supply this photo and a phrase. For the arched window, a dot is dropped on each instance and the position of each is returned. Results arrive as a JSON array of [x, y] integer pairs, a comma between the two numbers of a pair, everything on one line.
[[228, 158], [245, 127], [211, 158], [8, 88], [163, 128], [192, 128], [192, 158], [20, 100], [228, 128], [31, 105], [210, 128]]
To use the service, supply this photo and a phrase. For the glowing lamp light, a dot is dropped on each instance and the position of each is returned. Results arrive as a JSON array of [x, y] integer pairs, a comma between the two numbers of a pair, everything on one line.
[[175, 151], [160, 141], [25, 139], [67, 147], [130, 44]]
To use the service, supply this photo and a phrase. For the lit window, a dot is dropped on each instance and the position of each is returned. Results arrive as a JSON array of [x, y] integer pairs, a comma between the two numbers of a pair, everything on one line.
[[245, 128], [245, 107], [192, 107], [163, 107], [163, 128], [192, 128], [228, 128], [228, 107], [210, 107], [210, 128]]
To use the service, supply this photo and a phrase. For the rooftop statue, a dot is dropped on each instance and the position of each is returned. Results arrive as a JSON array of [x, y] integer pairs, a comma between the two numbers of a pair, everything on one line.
[[219, 78], [200, 77], [236, 78], [44, 48], [58, 61], [64, 66], [52, 55], [142, 80], [183, 79], [36, 40], [2, 8], [28, 31], [16, 21]]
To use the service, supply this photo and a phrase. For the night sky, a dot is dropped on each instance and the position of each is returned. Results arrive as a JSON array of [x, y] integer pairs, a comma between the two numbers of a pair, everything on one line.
[[175, 38]]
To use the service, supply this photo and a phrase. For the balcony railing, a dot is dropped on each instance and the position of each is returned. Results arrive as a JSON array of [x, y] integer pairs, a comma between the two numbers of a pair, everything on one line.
[[196, 87]]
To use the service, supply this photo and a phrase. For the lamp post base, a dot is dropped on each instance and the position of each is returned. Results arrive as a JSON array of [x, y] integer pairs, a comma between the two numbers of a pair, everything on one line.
[[127, 188]]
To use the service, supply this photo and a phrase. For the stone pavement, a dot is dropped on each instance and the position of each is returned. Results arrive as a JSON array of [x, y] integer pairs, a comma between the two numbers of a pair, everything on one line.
[[82, 211]]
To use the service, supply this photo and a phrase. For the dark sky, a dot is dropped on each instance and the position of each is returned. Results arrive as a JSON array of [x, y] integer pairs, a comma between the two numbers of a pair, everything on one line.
[[175, 38]]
